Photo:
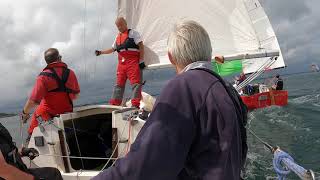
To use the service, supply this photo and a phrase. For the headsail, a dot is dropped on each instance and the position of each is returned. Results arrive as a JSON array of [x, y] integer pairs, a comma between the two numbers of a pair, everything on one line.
[[234, 26]]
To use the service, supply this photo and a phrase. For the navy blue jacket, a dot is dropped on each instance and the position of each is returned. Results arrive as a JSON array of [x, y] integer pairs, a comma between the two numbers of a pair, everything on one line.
[[192, 133]]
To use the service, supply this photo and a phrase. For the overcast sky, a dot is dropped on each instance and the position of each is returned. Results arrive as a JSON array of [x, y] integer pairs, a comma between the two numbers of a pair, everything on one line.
[[28, 27]]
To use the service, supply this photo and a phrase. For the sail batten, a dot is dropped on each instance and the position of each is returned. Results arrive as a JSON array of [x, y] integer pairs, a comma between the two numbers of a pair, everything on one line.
[[234, 26]]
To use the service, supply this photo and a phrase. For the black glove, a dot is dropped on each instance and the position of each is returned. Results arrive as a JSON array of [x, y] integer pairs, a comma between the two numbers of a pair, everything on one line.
[[29, 152], [142, 65], [97, 52]]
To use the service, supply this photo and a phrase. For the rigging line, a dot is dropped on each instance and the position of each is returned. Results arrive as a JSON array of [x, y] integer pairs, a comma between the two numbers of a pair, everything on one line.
[[21, 131], [272, 61], [99, 35], [122, 152], [124, 147], [260, 71], [250, 78], [250, 114], [51, 134], [84, 40], [115, 148], [271, 148], [75, 135], [129, 138], [22, 126], [77, 157]]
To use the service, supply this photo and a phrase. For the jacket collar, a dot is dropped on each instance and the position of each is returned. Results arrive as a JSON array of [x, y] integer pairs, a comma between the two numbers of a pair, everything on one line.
[[198, 64]]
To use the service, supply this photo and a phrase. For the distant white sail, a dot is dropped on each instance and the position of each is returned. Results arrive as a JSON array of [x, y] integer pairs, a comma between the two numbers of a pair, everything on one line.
[[315, 68], [234, 26]]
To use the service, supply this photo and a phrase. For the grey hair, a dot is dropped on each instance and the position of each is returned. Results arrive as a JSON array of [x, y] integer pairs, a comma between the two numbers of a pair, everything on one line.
[[189, 42]]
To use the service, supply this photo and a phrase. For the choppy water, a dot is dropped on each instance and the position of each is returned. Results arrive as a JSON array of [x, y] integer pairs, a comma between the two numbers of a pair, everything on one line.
[[295, 128]]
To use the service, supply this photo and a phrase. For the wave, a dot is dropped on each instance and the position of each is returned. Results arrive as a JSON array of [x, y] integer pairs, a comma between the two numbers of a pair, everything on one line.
[[314, 98]]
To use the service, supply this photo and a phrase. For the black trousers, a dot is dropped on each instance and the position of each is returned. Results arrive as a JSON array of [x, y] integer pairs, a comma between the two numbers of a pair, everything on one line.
[[46, 173]]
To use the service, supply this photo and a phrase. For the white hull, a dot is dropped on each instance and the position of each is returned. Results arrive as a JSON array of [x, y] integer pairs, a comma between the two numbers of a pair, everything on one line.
[[71, 128]]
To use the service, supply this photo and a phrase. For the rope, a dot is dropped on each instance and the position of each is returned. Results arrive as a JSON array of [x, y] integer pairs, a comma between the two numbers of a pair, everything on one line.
[[281, 157], [130, 116], [281, 171], [283, 163], [21, 132], [271, 148], [122, 151], [129, 136], [99, 36], [21, 128], [84, 39], [77, 157], [75, 135], [50, 122]]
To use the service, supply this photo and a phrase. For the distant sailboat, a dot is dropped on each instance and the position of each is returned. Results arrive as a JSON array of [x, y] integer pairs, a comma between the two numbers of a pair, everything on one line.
[[314, 68]]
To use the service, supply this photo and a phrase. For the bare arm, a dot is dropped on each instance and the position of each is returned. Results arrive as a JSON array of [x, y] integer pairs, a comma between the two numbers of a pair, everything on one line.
[[141, 49], [30, 104], [107, 51], [12, 173], [76, 96]]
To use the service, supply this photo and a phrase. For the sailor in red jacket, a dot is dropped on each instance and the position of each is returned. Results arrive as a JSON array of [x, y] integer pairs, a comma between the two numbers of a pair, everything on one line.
[[54, 91], [129, 46]]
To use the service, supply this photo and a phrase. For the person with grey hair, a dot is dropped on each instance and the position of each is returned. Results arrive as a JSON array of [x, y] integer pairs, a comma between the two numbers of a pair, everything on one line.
[[196, 129]]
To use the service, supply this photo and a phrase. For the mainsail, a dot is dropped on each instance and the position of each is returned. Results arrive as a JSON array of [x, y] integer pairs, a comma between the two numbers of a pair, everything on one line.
[[234, 27]]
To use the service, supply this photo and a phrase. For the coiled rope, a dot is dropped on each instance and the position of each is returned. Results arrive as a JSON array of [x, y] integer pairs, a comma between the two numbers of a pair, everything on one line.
[[283, 163]]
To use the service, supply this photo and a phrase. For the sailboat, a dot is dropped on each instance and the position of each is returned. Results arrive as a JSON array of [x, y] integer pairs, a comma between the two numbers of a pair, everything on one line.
[[314, 68], [242, 38], [82, 143]]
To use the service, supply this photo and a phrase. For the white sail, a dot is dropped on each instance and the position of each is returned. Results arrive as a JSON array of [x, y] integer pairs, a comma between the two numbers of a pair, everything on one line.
[[265, 36], [234, 26], [314, 68]]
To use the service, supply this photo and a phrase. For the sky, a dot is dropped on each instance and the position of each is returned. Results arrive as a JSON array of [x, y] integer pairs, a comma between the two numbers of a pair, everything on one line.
[[78, 27]]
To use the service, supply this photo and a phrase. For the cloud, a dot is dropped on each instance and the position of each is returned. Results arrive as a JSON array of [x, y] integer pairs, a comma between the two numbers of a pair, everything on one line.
[[284, 10], [29, 27], [295, 23]]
